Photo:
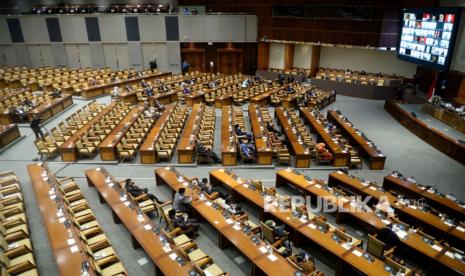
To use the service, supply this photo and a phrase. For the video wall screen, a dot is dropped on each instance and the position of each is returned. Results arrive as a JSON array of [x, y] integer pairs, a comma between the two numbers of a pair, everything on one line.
[[427, 36]]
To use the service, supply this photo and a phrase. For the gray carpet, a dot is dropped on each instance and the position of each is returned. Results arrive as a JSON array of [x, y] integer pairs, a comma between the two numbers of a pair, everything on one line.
[[405, 152]]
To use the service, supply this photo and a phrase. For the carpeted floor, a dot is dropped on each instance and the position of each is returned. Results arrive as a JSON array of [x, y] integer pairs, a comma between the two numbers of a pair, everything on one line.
[[405, 152]]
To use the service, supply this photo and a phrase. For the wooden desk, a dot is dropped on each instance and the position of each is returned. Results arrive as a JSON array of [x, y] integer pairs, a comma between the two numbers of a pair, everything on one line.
[[69, 258], [196, 98], [447, 145], [147, 149], [141, 228], [98, 90], [430, 222], [49, 109], [376, 158], [264, 149], [107, 147], [442, 203], [302, 156], [164, 98], [225, 100], [8, 133], [304, 228], [68, 150], [340, 156], [226, 230], [264, 98], [187, 144], [228, 144]]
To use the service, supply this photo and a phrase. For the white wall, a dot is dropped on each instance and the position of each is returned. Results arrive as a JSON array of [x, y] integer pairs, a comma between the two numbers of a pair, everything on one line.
[[368, 60], [303, 56], [276, 59], [217, 28]]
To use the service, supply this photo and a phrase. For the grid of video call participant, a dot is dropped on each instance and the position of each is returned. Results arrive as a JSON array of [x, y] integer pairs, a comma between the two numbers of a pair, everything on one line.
[[427, 38]]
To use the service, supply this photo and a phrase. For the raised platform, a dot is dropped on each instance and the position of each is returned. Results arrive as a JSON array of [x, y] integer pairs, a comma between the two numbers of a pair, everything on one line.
[[357, 90], [446, 144]]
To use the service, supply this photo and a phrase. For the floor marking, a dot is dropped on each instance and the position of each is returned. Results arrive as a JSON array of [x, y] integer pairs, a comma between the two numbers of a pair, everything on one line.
[[142, 261], [239, 260]]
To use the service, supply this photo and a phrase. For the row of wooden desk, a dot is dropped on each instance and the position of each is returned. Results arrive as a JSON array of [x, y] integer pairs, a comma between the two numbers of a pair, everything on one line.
[[147, 149], [163, 98], [340, 156], [8, 134], [441, 256], [67, 247], [302, 155], [98, 90], [262, 144], [68, 150], [143, 231], [107, 148], [46, 110], [346, 254], [228, 137], [447, 145], [376, 158], [431, 223], [187, 144], [440, 202], [229, 234]]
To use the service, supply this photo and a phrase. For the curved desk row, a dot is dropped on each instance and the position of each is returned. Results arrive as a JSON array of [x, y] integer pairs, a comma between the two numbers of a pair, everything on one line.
[[432, 136]]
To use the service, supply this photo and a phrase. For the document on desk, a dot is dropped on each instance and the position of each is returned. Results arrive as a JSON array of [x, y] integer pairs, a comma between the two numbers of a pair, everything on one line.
[[311, 225], [74, 249], [173, 256], [229, 221], [272, 257], [263, 249], [401, 234], [437, 247], [357, 253]]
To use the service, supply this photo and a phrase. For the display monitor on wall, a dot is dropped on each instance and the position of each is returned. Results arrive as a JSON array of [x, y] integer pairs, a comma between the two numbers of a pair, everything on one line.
[[427, 36]]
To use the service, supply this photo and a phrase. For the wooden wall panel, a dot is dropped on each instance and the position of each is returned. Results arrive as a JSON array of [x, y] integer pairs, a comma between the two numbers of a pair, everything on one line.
[[380, 31], [263, 55], [289, 56], [315, 64], [245, 57]]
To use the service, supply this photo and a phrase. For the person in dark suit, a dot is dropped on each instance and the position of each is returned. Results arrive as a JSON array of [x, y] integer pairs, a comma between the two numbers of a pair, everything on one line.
[[189, 226], [135, 191], [202, 150], [36, 127]]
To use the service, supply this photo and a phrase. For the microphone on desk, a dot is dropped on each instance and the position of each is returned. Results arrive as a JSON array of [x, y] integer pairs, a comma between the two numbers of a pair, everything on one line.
[[413, 114]]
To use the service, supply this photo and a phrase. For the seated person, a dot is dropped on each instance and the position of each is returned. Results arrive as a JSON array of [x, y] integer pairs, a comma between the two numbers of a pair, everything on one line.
[[163, 88], [384, 206], [270, 128], [181, 202], [290, 78], [207, 188], [93, 82], [202, 150], [239, 132], [388, 237], [158, 105], [148, 91], [56, 93], [305, 263], [115, 92], [188, 226], [284, 247], [323, 152], [258, 77], [289, 89], [135, 191], [246, 150], [144, 84], [128, 88], [28, 103], [186, 91]]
